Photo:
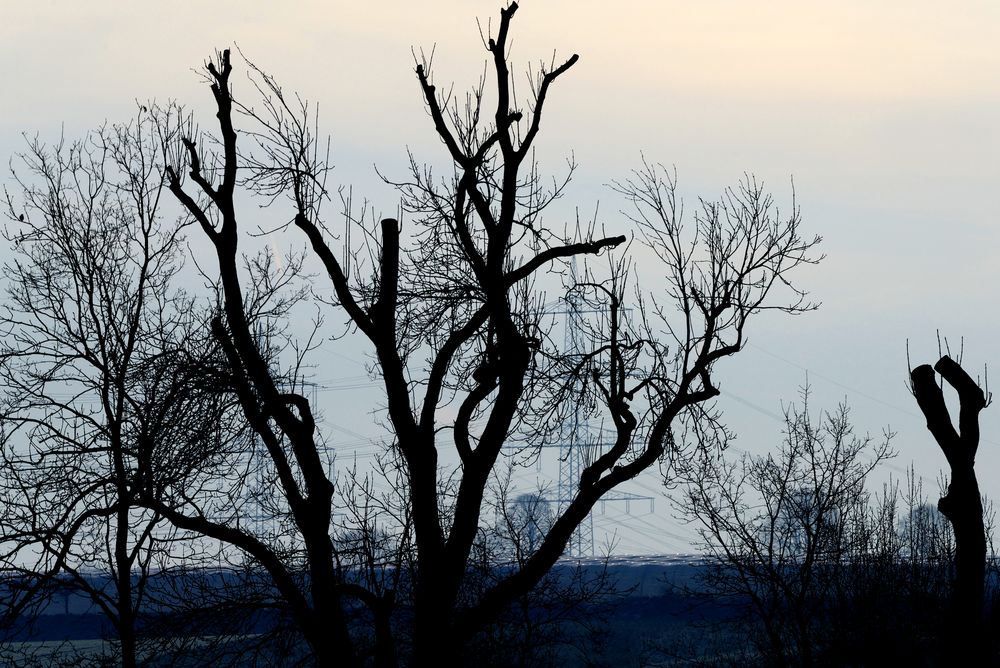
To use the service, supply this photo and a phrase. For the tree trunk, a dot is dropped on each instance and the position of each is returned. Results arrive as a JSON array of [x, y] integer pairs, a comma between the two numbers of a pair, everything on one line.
[[434, 640], [126, 637], [962, 505]]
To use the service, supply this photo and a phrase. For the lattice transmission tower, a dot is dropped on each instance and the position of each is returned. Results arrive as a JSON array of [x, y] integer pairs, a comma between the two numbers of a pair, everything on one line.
[[577, 436]]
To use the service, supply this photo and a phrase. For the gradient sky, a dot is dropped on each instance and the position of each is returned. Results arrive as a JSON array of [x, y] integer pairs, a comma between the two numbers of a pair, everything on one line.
[[884, 113]]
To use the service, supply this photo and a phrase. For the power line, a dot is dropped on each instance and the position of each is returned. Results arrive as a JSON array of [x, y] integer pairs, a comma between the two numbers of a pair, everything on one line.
[[811, 373]]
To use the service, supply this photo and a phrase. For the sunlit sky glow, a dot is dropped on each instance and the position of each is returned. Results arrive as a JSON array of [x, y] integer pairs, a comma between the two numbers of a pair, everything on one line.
[[885, 114]]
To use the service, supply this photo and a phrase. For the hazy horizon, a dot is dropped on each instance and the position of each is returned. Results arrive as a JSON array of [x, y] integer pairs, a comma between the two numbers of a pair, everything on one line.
[[884, 117]]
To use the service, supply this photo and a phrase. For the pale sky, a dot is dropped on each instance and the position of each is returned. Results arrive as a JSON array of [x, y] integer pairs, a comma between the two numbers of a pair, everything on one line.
[[883, 113]]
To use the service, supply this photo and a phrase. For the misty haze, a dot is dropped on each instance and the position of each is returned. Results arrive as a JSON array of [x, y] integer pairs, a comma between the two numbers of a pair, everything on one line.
[[459, 334]]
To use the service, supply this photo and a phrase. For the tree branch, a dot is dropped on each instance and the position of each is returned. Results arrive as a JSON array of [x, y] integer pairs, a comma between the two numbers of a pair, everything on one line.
[[570, 250], [931, 402]]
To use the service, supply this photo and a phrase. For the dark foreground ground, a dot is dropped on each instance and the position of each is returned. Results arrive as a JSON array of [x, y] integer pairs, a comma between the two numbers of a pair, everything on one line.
[[650, 619], [648, 613]]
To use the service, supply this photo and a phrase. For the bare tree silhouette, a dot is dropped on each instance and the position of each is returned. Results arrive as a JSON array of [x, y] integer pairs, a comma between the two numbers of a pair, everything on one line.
[[962, 504], [783, 531], [464, 348], [103, 370]]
